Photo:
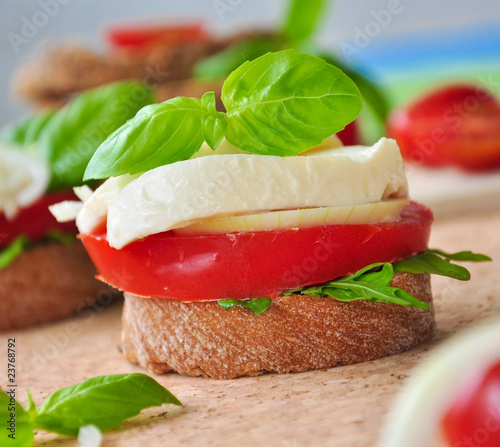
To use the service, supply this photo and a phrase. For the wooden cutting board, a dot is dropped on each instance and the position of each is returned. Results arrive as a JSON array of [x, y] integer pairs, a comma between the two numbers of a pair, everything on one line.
[[343, 406]]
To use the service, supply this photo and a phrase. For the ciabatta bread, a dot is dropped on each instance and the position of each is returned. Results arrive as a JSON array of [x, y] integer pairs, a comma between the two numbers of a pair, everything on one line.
[[48, 282], [297, 333]]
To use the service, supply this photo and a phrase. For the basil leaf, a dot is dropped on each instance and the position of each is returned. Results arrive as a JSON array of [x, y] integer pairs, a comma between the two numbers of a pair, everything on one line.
[[373, 96], [284, 103], [159, 134], [257, 305], [9, 253], [28, 130], [74, 133], [214, 124], [461, 255], [104, 401], [371, 283], [303, 19], [15, 426], [220, 65], [428, 262]]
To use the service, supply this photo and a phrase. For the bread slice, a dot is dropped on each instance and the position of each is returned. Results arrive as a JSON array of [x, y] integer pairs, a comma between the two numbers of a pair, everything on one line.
[[297, 333], [48, 282]]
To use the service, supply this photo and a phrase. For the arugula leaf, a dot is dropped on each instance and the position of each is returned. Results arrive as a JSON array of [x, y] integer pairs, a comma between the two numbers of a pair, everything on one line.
[[159, 134], [28, 130], [104, 401], [371, 283], [220, 65], [72, 135], [303, 18], [257, 305], [438, 262], [60, 236], [461, 255], [9, 253], [307, 98], [15, 426]]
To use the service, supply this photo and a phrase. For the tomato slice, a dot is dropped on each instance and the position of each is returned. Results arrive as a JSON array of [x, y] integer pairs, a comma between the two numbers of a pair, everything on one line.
[[254, 264], [474, 417], [139, 38], [35, 220]]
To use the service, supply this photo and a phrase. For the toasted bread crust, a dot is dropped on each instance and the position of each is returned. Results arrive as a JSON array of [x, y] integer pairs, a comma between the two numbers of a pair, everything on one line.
[[297, 333], [48, 282]]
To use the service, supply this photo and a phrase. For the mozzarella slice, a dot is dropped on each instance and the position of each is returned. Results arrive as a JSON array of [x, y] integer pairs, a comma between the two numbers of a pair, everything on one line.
[[179, 194], [309, 217], [23, 179]]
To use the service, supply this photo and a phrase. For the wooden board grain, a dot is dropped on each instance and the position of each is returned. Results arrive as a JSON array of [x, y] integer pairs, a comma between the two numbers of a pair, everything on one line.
[[342, 406]]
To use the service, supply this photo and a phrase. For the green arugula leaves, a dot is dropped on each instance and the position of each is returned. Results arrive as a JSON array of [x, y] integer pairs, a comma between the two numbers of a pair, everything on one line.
[[279, 104], [104, 401], [257, 305], [371, 283], [12, 251], [438, 262]]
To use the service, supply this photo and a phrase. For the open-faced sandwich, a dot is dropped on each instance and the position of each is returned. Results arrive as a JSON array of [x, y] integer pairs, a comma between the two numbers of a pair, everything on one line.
[[45, 272], [251, 241]]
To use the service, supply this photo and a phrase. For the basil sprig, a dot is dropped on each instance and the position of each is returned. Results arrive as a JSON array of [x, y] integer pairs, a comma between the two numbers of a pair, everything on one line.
[[104, 401], [257, 305], [301, 22], [371, 283], [279, 104]]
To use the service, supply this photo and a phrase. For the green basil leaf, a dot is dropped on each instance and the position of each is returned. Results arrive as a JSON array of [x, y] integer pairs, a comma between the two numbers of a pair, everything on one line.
[[257, 305], [428, 262], [15, 426], [27, 130], [74, 133], [220, 65], [303, 18], [214, 124], [104, 401], [13, 250], [285, 103], [373, 95], [371, 283], [159, 134], [461, 255]]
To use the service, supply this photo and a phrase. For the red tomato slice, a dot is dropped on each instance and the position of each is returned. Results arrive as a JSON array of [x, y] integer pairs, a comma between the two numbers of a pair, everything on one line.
[[474, 417], [254, 264], [138, 38], [35, 220]]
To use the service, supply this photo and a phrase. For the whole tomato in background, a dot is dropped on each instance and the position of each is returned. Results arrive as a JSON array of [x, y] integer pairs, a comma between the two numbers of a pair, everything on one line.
[[452, 126]]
